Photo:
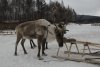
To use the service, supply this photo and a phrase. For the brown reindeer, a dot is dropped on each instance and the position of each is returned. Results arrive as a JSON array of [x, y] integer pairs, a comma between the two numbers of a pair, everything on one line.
[[36, 29]]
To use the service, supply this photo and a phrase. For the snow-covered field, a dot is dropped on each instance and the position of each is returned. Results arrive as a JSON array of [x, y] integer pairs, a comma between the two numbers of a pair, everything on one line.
[[84, 32]]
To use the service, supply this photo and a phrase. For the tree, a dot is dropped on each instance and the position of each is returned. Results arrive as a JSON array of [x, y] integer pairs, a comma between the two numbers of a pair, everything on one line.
[[59, 13], [17, 7], [26, 10], [41, 5], [29, 9], [3, 9]]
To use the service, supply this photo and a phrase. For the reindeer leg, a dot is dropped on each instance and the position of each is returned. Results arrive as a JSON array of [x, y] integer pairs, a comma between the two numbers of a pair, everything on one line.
[[31, 44], [22, 43], [39, 47], [17, 41], [46, 45], [43, 47]]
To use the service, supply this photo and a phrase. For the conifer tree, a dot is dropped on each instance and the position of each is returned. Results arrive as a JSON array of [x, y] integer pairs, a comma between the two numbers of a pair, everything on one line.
[[3, 9]]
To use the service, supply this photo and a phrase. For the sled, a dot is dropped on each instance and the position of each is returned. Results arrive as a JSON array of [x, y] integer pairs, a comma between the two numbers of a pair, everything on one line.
[[92, 58]]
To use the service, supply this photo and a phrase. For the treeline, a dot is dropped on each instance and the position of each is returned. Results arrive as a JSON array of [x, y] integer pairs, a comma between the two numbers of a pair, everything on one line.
[[27, 10], [87, 19]]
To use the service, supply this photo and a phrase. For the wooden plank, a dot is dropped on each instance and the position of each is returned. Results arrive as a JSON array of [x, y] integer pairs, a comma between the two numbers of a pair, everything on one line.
[[91, 54], [93, 60], [70, 59], [89, 43], [86, 60]]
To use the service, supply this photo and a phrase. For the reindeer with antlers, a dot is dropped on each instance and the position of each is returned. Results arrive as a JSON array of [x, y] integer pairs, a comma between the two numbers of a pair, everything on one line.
[[37, 29]]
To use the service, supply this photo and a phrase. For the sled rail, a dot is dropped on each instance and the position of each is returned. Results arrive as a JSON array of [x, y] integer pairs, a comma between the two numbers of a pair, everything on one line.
[[89, 43]]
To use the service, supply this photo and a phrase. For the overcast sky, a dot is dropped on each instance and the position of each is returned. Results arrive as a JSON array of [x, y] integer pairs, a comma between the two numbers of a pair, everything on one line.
[[85, 7]]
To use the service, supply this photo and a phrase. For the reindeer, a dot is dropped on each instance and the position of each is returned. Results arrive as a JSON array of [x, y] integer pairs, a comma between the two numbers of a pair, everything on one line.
[[36, 29]]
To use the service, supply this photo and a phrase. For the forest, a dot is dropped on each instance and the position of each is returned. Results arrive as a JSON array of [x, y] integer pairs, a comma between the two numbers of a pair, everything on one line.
[[28, 10]]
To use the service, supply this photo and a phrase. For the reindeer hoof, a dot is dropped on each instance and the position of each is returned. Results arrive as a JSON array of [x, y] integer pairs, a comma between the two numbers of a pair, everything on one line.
[[32, 48], [40, 58], [46, 48], [25, 52], [35, 46], [15, 54]]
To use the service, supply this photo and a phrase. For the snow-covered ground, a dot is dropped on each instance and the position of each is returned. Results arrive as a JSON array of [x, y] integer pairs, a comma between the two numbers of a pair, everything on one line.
[[84, 32]]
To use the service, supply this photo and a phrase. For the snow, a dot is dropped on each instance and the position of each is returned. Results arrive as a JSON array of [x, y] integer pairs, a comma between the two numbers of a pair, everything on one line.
[[84, 32], [7, 46]]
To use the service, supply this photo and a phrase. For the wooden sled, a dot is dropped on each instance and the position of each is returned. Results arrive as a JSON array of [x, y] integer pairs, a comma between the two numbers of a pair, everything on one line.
[[78, 57], [75, 42]]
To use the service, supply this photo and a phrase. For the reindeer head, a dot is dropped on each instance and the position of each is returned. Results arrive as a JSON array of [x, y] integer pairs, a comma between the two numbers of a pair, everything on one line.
[[59, 32]]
